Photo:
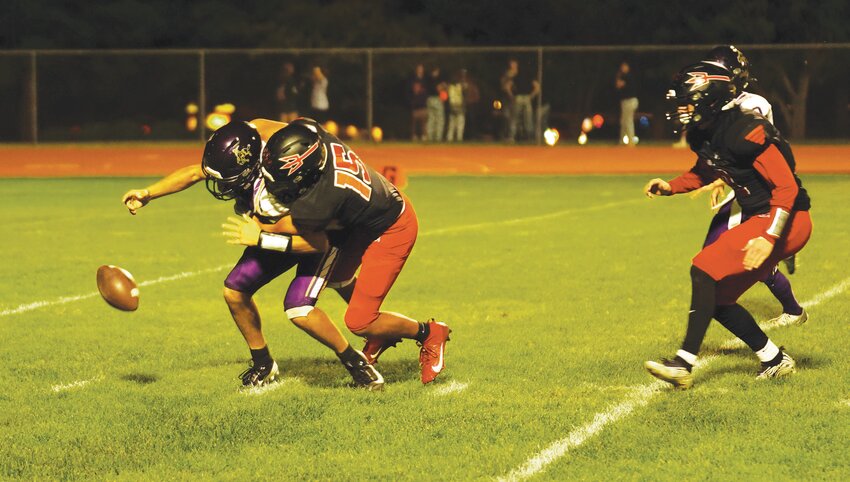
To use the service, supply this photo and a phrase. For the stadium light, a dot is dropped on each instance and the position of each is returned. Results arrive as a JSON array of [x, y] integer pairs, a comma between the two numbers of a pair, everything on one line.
[[551, 136]]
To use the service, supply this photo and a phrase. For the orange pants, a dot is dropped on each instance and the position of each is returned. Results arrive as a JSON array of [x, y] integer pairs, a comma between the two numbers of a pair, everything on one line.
[[723, 260], [380, 262]]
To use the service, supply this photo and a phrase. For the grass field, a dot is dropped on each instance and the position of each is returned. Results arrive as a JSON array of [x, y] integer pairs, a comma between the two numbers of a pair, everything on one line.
[[557, 289]]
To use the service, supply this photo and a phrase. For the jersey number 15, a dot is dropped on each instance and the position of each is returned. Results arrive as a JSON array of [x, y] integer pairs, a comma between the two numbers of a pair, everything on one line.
[[350, 172]]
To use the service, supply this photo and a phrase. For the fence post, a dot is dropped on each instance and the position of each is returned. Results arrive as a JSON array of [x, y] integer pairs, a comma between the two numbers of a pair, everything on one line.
[[539, 123], [369, 100], [33, 98], [202, 95]]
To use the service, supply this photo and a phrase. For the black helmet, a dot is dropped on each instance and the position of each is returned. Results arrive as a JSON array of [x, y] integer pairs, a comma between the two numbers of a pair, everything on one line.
[[735, 61], [293, 160], [698, 93], [232, 159]]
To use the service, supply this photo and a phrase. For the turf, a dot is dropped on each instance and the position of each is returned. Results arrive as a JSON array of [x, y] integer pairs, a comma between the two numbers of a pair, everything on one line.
[[557, 289]]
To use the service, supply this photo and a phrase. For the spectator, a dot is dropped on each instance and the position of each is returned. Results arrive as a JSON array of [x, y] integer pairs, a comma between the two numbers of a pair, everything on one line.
[[627, 93], [472, 100], [457, 107], [319, 103], [507, 87], [436, 110], [417, 95], [287, 93]]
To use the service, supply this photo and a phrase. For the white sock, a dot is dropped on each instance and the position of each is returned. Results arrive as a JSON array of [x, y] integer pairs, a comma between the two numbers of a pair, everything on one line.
[[687, 356], [768, 353]]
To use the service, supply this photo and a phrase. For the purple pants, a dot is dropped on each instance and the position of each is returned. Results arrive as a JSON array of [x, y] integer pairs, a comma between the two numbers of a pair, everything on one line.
[[257, 267]]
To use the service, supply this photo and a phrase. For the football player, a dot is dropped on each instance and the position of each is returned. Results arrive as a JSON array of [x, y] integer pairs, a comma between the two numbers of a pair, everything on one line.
[[230, 167], [750, 155], [351, 211], [728, 210]]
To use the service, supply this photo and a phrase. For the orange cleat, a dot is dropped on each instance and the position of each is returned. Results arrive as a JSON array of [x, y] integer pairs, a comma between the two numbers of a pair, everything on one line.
[[432, 351], [375, 346]]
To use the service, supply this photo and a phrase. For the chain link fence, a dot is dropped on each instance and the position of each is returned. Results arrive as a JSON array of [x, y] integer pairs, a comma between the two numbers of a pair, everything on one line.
[[129, 95]]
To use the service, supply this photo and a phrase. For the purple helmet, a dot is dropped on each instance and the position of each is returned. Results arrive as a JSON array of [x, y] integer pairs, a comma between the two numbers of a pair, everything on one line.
[[231, 160]]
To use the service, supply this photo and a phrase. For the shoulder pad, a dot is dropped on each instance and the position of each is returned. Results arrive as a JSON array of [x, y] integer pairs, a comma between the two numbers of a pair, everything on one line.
[[749, 136]]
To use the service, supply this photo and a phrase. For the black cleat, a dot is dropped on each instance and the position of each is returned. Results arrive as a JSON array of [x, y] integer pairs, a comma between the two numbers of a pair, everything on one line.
[[257, 376], [364, 374], [791, 264]]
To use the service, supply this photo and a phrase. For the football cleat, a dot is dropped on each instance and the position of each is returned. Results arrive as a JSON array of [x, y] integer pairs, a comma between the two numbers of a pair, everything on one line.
[[257, 376], [786, 319], [364, 374], [786, 366], [375, 346], [432, 351], [791, 263], [671, 371]]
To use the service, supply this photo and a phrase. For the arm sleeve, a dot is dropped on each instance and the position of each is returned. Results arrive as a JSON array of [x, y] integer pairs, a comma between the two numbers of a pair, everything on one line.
[[697, 177], [772, 166]]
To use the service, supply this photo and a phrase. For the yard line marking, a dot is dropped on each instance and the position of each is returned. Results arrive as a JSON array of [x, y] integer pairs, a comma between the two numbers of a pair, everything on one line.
[[528, 219], [76, 384], [641, 397], [68, 299], [452, 387], [270, 387]]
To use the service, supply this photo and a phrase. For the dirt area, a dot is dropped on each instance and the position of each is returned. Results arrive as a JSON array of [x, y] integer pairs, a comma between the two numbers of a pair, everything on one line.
[[148, 160]]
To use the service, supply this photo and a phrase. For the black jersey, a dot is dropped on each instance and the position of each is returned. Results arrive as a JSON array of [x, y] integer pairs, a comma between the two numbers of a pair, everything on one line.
[[728, 151], [349, 194]]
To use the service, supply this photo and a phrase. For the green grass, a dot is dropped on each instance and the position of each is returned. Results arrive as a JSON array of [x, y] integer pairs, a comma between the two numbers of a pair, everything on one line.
[[553, 317]]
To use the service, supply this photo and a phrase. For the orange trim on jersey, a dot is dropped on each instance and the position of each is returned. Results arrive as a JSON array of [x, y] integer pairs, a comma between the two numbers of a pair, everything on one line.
[[756, 136]]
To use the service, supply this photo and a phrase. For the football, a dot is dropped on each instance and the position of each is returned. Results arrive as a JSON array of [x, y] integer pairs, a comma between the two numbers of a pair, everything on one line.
[[118, 287]]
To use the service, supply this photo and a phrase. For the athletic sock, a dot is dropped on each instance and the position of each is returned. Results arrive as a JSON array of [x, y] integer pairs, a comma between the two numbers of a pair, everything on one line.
[[349, 357], [686, 359], [780, 286], [703, 289], [424, 331], [770, 354], [261, 356], [742, 324]]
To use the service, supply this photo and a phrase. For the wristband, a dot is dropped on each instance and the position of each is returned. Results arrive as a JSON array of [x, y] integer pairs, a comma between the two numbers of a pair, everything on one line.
[[779, 218], [275, 242]]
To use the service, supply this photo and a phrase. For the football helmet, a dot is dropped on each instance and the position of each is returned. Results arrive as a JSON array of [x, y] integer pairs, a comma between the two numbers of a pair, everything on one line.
[[293, 161], [735, 61], [231, 160], [698, 93]]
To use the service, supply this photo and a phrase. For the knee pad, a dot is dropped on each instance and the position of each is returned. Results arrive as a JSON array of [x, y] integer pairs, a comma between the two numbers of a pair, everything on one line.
[[357, 319], [299, 300], [298, 311]]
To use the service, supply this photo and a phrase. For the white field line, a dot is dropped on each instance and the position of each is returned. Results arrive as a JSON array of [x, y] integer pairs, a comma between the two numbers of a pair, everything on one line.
[[529, 219], [188, 274], [72, 385], [452, 387], [256, 391], [641, 396], [68, 299]]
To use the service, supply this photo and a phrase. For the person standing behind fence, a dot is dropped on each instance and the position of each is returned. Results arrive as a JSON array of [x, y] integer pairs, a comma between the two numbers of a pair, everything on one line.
[[287, 93], [417, 95], [436, 110], [526, 89], [507, 87], [627, 93], [319, 103], [457, 107]]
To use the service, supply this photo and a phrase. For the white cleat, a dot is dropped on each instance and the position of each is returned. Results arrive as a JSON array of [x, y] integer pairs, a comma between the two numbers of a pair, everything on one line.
[[671, 372], [786, 319], [786, 366]]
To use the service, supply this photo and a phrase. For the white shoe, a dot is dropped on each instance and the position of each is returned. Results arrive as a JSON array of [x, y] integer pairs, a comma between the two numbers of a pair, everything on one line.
[[786, 319], [785, 367]]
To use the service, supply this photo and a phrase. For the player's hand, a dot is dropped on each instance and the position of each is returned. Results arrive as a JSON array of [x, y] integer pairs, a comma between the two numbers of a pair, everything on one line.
[[657, 187], [718, 192], [755, 252], [135, 199], [242, 230]]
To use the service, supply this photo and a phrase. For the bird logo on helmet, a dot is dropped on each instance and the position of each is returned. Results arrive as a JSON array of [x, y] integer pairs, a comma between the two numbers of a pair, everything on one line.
[[230, 168], [698, 93], [293, 161]]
